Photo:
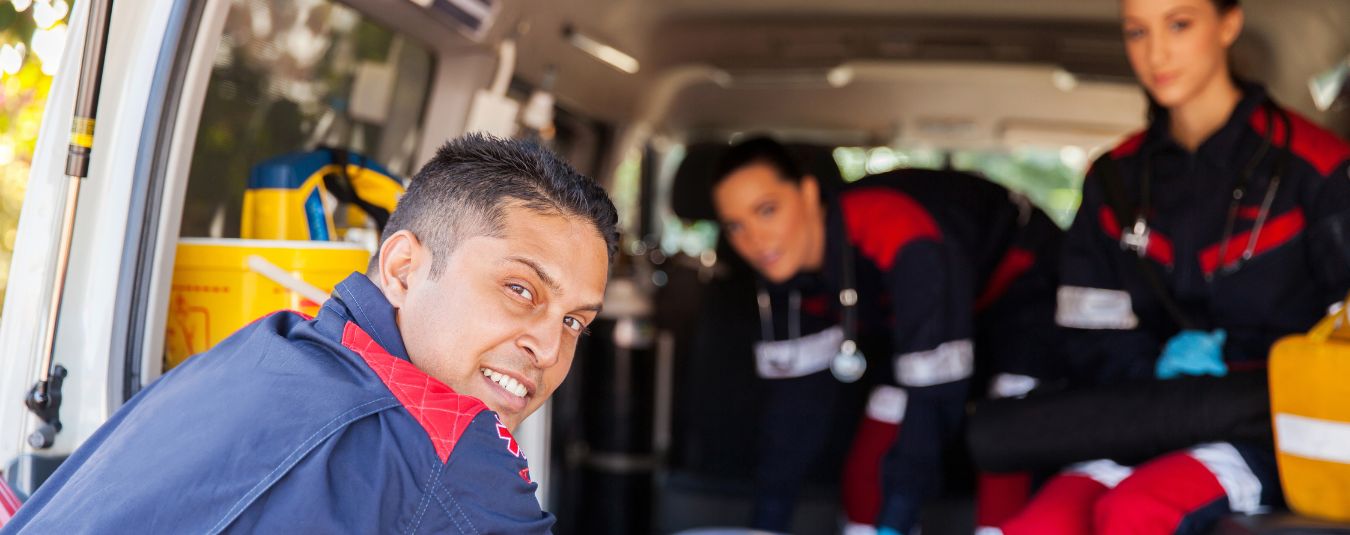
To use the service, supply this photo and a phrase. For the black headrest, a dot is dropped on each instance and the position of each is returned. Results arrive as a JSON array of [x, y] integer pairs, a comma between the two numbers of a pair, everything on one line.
[[691, 190]]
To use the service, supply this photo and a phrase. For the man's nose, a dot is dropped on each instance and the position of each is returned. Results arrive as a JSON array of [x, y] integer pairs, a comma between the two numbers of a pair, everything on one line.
[[543, 341]]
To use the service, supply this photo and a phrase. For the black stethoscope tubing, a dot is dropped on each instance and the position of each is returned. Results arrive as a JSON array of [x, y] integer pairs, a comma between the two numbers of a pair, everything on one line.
[[1129, 239], [848, 302]]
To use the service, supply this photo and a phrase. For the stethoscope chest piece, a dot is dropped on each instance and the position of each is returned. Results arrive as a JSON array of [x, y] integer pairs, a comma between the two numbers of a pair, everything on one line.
[[849, 364], [1136, 238]]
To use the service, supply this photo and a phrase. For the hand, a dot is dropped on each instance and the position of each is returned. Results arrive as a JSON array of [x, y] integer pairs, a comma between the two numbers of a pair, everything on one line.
[[1193, 353]]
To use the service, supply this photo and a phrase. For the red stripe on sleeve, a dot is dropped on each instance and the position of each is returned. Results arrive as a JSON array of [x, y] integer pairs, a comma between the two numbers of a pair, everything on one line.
[[1312, 143], [1159, 246], [1129, 146], [883, 221], [1012, 266], [1276, 232]]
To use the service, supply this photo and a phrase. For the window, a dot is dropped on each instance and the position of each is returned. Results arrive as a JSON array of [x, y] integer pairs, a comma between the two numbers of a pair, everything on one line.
[[1052, 177], [291, 76]]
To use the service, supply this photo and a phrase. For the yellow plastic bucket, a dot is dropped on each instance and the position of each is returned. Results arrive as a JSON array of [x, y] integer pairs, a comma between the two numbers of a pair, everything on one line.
[[221, 285]]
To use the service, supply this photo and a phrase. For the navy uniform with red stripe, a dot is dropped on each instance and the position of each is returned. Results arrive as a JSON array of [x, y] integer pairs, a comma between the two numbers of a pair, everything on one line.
[[965, 272], [1277, 275], [296, 425]]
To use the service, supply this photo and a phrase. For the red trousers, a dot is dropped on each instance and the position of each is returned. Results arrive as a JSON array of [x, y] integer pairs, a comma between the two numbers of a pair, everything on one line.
[[1179, 493], [999, 495]]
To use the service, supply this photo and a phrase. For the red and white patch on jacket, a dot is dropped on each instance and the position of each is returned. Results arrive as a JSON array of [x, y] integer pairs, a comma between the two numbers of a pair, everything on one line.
[[505, 434], [513, 447]]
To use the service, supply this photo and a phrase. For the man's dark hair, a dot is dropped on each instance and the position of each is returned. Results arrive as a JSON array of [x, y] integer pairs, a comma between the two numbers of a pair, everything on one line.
[[759, 150], [461, 192]]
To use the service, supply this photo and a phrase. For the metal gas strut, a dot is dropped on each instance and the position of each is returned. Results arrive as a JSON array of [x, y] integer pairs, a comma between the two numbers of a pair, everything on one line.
[[44, 399]]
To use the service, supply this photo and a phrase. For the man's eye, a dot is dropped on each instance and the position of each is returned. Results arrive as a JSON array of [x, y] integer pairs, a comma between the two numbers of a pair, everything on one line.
[[522, 291], [1180, 25], [767, 210], [1133, 33], [574, 324]]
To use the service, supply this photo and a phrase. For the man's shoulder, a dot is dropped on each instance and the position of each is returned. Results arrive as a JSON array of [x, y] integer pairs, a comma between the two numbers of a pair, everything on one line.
[[215, 433], [282, 366]]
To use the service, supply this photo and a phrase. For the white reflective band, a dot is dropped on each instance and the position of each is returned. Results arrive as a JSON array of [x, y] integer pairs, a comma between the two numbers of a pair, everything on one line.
[[1011, 385], [952, 361], [1105, 471], [1236, 478], [1312, 438], [887, 404], [854, 528], [795, 358], [1094, 308], [988, 530]]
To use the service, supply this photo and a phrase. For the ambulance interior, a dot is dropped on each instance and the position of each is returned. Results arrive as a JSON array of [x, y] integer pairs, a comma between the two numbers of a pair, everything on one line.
[[654, 429]]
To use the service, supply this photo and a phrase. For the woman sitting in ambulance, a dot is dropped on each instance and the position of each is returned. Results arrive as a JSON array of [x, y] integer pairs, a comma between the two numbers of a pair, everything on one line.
[[1221, 227]]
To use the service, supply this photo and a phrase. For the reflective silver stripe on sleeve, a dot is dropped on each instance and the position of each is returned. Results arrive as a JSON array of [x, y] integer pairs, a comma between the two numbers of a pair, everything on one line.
[[1011, 385], [1105, 471], [1237, 479], [887, 404], [1094, 308], [806, 355], [952, 361]]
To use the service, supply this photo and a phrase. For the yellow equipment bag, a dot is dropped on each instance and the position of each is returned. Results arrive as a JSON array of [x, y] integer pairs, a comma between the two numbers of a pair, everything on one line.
[[1310, 405], [221, 285], [317, 195]]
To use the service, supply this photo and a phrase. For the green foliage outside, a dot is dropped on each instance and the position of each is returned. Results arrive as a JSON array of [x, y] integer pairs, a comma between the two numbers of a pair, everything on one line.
[[32, 38]]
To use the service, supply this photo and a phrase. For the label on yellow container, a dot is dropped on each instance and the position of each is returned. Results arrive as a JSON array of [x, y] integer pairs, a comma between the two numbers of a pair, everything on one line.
[[215, 292]]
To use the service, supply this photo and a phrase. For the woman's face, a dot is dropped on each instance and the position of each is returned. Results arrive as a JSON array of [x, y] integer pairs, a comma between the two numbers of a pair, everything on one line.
[[772, 223], [1178, 48]]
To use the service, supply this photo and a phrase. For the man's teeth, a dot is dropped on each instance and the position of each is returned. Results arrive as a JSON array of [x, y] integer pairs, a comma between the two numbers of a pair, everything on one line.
[[511, 385]]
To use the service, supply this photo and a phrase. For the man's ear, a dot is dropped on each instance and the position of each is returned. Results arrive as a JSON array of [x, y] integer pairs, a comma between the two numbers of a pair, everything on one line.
[[399, 258]]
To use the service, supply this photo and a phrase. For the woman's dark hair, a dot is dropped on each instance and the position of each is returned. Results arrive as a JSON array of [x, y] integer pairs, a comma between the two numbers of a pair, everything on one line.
[[759, 150], [1225, 5]]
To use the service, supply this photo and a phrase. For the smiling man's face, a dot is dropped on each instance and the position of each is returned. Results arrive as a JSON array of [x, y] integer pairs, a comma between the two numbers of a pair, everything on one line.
[[501, 321]]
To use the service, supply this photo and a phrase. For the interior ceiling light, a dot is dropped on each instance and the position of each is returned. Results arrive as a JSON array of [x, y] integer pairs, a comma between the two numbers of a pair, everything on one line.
[[1064, 80], [1327, 86], [839, 76], [609, 55]]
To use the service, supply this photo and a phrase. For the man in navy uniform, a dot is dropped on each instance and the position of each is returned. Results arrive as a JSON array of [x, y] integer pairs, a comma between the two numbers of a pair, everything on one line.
[[389, 412]]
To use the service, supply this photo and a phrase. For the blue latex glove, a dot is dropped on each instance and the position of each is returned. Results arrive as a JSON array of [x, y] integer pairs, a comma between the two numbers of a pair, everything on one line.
[[887, 531], [1193, 353]]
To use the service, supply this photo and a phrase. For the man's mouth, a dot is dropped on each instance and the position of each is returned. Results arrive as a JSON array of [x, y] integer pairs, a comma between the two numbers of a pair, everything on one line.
[[507, 383]]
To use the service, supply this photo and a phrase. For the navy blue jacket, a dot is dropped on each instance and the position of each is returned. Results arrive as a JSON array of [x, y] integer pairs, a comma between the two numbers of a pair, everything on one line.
[[967, 274], [1298, 266], [296, 425]]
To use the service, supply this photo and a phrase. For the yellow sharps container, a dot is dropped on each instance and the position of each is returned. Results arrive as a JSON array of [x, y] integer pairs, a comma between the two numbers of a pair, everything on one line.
[[221, 285]]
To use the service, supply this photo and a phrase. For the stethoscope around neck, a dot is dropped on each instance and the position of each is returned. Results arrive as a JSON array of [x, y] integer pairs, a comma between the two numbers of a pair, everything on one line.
[[1136, 238], [848, 364]]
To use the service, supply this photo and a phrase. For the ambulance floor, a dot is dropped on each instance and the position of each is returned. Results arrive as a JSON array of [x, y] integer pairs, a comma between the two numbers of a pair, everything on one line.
[[1279, 524]]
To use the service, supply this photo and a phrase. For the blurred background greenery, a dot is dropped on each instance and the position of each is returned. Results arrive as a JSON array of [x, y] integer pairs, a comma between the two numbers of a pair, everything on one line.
[[32, 38]]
